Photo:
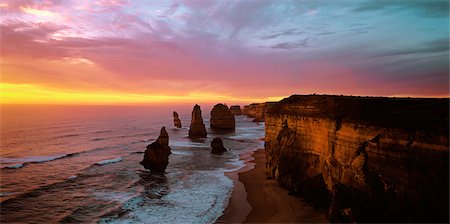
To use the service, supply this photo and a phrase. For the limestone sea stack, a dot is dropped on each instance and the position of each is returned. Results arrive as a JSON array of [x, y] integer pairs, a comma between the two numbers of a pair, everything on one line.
[[156, 157], [176, 120], [197, 129], [236, 110], [217, 146], [222, 118]]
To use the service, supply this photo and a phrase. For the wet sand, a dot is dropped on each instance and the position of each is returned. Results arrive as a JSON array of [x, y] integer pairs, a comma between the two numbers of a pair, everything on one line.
[[255, 199]]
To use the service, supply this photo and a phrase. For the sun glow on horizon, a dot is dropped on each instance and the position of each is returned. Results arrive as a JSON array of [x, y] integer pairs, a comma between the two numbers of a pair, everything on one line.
[[34, 94]]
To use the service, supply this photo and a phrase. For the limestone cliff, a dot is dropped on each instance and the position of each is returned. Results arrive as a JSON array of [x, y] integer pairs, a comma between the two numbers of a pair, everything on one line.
[[368, 159], [257, 110], [236, 110]]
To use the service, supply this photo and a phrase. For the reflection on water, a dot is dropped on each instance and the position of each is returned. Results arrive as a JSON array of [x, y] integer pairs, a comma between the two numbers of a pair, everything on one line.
[[71, 164]]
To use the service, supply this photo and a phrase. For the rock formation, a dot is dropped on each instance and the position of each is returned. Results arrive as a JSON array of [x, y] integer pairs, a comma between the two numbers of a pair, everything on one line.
[[368, 159], [176, 120], [217, 146], [222, 118], [257, 110], [156, 157], [236, 110], [197, 129]]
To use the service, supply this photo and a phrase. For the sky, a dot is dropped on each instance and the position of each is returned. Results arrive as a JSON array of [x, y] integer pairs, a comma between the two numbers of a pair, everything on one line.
[[143, 52]]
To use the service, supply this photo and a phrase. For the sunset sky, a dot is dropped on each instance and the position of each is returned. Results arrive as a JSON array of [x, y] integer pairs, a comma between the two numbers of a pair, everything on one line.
[[127, 52]]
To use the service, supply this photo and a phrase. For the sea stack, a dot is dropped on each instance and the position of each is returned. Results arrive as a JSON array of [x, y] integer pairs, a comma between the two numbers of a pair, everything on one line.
[[222, 118], [156, 157], [217, 146], [176, 120], [197, 129], [236, 110]]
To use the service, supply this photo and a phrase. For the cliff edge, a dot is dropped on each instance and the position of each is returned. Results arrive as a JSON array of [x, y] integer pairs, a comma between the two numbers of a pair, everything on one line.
[[368, 159]]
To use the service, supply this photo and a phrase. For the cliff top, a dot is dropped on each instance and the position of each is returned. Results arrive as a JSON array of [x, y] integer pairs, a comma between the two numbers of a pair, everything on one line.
[[415, 114]]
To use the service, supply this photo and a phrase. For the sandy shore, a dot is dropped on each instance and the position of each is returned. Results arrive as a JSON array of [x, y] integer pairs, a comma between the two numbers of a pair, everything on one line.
[[256, 199]]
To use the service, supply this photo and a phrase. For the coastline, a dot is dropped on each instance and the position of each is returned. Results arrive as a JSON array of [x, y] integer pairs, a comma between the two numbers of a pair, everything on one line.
[[255, 199]]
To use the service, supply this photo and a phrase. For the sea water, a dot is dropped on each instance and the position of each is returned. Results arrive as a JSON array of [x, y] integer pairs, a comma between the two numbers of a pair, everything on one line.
[[81, 164]]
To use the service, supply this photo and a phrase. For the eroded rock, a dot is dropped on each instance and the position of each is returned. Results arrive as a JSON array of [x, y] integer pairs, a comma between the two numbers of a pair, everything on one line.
[[222, 118], [156, 156], [197, 128], [176, 120], [217, 146], [376, 159], [236, 110]]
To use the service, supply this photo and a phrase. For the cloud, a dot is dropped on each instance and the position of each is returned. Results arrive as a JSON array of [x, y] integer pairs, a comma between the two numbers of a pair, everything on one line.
[[228, 46], [429, 47], [292, 45], [432, 8], [289, 32]]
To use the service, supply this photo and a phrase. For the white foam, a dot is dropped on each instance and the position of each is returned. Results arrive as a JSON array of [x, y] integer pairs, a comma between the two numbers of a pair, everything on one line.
[[188, 144], [32, 159], [117, 196], [201, 198], [182, 153], [15, 166], [107, 161]]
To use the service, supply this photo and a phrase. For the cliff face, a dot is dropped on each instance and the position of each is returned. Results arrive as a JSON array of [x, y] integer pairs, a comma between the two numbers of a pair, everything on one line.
[[367, 159], [236, 110], [257, 110]]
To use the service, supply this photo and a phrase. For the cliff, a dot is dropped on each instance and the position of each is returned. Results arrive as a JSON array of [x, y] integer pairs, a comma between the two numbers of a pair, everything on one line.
[[257, 110], [367, 159], [236, 110]]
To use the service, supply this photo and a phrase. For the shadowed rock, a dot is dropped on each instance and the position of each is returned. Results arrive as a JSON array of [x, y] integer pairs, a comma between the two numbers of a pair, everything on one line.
[[156, 157], [217, 146], [197, 128], [176, 120], [222, 118], [366, 159], [236, 110]]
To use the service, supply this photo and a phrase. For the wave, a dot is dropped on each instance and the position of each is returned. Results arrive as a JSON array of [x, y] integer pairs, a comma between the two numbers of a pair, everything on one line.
[[21, 162], [120, 136], [67, 136], [108, 161], [17, 163], [15, 166], [199, 198], [103, 131]]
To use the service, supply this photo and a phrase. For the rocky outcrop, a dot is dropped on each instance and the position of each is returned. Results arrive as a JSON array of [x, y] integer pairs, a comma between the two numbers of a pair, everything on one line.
[[236, 110], [176, 120], [257, 110], [217, 146], [156, 157], [197, 128], [222, 118], [367, 159]]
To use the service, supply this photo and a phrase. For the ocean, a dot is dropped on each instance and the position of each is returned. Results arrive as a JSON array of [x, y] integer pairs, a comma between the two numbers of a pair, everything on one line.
[[74, 164]]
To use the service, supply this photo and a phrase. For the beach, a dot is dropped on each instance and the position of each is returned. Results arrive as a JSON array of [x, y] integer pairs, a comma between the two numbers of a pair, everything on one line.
[[256, 199]]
